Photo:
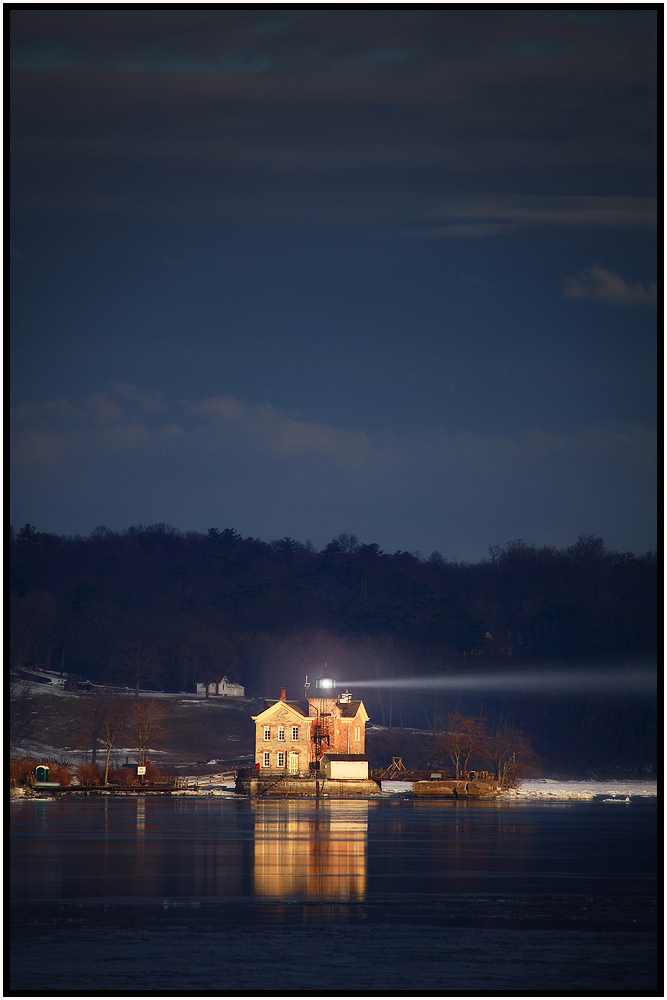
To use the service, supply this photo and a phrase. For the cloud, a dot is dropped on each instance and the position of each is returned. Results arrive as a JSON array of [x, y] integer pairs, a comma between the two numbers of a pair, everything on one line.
[[597, 284], [102, 409], [463, 91], [485, 216], [59, 431], [219, 423], [270, 474], [149, 403], [267, 429]]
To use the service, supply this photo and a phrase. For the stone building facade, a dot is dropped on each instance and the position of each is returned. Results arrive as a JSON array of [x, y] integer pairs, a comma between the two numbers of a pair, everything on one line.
[[292, 736]]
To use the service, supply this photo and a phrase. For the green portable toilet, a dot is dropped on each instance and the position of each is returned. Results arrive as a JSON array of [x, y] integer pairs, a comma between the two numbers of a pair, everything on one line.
[[41, 773]]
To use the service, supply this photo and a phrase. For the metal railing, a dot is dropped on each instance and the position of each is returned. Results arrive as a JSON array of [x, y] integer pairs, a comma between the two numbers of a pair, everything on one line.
[[206, 780]]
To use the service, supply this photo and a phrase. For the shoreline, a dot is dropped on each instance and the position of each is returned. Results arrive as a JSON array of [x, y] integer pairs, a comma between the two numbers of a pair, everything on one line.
[[534, 790]]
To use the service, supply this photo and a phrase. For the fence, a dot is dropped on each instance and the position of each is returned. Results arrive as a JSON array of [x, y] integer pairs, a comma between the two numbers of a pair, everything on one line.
[[206, 781]]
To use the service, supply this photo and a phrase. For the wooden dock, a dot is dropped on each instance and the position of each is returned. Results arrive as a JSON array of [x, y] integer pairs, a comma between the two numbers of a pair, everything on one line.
[[166, 787]]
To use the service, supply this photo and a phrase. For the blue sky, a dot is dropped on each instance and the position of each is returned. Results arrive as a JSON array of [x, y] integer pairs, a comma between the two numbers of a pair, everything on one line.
[[383, 272]]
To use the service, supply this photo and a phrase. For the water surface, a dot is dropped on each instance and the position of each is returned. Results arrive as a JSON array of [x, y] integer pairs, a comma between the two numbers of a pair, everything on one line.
[[416, 895], [227, 850]]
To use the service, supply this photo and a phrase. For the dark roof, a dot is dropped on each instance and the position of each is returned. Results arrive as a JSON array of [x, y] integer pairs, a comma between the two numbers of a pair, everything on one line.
[[350, 710], [344, 756], [298, 706]]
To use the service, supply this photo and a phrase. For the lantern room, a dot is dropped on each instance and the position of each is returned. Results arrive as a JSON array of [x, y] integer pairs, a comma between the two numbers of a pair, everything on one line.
[[325, 685]]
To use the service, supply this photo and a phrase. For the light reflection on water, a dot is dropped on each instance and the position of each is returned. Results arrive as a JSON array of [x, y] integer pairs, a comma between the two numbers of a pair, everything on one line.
[[185, 850], [320, 854]]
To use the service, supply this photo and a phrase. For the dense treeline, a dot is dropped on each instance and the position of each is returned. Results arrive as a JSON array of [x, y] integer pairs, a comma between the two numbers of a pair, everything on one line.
[[153, 607], [166, 607]]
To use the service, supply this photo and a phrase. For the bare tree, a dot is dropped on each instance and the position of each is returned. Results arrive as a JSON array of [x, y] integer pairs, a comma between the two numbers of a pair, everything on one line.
[[98, 708], [145, 725], [115, 716], [512, 755], [460, 738]]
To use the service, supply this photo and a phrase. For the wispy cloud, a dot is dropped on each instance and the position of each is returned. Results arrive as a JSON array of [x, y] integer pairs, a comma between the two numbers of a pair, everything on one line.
[[263, 428], [149, 402], [465, 91], [271, 473], [597, 284], [486, 216], [266, 428]]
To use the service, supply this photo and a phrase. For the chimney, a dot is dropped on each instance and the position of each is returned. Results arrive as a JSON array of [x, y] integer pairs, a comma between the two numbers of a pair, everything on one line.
[[283, 696]]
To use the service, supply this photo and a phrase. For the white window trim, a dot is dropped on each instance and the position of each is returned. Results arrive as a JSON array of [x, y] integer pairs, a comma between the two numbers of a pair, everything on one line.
[[267, 732], [267, 759], [281, 734], [295, 729], [281, 763]]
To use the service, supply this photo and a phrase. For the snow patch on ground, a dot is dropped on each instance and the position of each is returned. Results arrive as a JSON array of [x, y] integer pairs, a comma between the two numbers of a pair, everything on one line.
[[221, 792], [396, 787], [547, 788]]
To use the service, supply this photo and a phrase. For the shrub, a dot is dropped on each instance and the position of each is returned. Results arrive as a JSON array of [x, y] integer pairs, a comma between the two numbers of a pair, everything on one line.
[[121, 776], [90, 774], [22, 769], [59, 770]]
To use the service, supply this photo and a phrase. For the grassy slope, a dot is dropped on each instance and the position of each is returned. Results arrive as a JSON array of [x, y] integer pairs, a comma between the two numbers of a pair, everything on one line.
[[199, 733], [198, 730]]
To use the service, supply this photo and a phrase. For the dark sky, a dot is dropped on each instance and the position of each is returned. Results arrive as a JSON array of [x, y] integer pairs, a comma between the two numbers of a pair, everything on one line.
[[388, 272]]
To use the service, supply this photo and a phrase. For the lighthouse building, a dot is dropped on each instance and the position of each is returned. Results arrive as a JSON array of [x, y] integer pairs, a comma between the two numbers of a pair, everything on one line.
[[323, 734]]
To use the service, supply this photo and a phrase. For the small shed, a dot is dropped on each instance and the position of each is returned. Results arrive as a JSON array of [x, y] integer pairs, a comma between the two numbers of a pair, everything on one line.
[[221, 687], [344, 765]]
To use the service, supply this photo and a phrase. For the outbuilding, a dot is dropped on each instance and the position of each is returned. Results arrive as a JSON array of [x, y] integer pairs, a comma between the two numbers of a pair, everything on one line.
[[344, 765], [221, 687]]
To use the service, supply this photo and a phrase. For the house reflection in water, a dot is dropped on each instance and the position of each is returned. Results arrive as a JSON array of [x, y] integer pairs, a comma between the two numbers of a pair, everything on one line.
[[306, 850]]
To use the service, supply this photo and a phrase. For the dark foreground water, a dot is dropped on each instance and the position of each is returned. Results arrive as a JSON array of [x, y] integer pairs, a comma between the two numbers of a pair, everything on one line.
[[232, 897]]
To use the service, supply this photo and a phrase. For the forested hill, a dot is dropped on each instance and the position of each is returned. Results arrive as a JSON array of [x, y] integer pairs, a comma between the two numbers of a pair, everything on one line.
[[159, 608]]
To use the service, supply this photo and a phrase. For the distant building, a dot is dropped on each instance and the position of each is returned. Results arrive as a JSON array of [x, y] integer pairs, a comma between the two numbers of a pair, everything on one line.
[[221, 687], [294, 737]]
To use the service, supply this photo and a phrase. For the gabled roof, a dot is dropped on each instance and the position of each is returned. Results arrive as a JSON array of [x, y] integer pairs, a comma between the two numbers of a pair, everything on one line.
[[350, 710], [294, 707]]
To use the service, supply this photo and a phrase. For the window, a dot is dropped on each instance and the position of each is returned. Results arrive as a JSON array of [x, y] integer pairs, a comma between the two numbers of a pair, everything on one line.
[[295, 733], [281, 733], [357, 733], [281, 759], [267, 759], [267, 732]]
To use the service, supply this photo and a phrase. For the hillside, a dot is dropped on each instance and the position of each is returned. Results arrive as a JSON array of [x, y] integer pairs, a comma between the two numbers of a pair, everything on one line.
[[203, 735], [571, 738], [200, 732]]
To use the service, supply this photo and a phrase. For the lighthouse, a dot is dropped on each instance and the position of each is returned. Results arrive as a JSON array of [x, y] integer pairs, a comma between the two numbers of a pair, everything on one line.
[[323, 734]]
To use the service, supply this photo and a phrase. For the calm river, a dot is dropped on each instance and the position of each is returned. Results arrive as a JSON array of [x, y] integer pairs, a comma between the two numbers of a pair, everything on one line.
[[399, 895]]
